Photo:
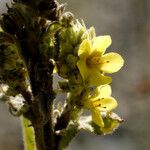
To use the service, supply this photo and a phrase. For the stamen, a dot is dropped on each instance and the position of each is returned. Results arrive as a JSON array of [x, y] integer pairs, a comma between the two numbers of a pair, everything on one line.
[[98, 105], [97, 100]]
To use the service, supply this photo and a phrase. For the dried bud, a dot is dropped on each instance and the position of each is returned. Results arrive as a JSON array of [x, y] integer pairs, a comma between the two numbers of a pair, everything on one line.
[[67, 18]]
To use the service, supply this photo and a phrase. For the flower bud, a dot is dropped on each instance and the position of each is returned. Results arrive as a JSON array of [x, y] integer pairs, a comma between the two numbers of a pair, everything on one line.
[[63, 85], [75, 77], [72, 61], [76, 89], [62, 70], [67, 18]]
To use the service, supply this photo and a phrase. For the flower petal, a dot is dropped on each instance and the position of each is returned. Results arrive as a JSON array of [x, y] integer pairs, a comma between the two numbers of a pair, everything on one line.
[[111, 62], [96, 78], [101, 43], [84, 48], [106, 104], [97, 118], [84, 71], [88, 104], [104, 91]]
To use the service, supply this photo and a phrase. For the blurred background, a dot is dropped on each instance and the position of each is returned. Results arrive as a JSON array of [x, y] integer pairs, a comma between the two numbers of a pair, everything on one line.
[[128, 23]]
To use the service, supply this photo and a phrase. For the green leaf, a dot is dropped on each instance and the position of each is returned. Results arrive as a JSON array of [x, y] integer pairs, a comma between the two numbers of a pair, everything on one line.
[[28, 133]]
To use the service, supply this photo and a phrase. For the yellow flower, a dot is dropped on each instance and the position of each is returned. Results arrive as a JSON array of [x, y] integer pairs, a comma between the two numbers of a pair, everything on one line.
[[100, 101], [93, 63]]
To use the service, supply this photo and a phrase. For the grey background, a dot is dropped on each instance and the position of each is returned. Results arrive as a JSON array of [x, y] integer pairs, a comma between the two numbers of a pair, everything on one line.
[[128, 23]]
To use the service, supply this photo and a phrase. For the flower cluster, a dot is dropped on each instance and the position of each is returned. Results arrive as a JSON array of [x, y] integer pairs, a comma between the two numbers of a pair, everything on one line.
[[83, 63], [93, 64]]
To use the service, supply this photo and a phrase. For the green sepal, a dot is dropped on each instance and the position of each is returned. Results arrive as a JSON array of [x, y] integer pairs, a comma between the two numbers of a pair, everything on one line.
[[67, 19], [72, 61], [111, 123], [76, 89], [53, 28], [62, 70], [92, 33]]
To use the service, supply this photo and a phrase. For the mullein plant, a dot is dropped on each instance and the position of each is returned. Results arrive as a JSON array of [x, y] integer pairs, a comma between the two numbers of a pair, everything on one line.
[[39, 39]]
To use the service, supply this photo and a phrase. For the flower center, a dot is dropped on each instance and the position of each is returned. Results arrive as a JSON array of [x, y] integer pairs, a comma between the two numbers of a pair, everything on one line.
[[94, 60]]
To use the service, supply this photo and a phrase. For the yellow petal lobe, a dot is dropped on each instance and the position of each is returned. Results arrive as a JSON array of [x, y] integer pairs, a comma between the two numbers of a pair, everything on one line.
[[97, 118], [84, 71], [105, 91], [85, 48], [111, 62], [96, 78], [106, 104], [101, 43]]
